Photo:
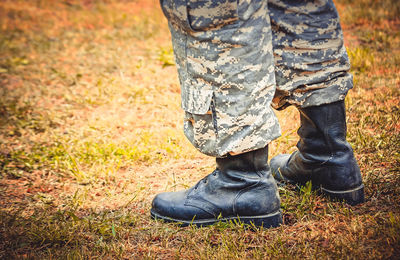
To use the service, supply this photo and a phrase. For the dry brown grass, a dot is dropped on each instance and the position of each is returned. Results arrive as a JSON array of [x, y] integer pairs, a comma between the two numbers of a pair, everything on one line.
[[90, 131]]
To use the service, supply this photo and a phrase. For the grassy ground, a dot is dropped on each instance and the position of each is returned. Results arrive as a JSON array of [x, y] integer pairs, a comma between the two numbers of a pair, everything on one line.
[[90, 131]]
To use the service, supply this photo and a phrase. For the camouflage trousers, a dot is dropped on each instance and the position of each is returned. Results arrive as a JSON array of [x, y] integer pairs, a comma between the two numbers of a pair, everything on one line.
[[237, 59]]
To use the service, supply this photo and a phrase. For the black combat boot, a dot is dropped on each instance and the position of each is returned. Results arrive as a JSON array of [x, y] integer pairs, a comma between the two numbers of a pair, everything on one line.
[[324, 156], [240, 189]]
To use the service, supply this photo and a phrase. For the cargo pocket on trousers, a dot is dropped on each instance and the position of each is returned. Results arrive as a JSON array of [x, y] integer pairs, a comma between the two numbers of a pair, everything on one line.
[[196, 98], [201, 132], [211, 14], [200, 123]]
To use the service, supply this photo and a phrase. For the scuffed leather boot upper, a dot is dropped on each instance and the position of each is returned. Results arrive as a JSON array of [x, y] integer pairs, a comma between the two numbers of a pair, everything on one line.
[[242, 185], [324, 156]]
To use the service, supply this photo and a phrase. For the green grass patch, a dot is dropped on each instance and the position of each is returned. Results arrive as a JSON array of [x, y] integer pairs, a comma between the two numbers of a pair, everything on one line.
[[91, 130]]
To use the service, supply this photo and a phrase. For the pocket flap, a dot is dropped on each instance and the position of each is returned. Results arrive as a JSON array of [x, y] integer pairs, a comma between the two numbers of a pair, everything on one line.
[[196, 99], [208, 14]]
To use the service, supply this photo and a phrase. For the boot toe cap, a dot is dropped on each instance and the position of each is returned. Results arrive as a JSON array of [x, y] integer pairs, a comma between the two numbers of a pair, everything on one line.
[[277, 164], [170, 206]]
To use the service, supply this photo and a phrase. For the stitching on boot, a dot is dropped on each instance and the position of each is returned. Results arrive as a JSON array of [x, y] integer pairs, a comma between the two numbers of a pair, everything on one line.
[[326, 134], [242, 191], [202, 204]]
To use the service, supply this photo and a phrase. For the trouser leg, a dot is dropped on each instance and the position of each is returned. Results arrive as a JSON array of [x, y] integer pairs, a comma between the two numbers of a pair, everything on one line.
[[311, 63], [223, 51]]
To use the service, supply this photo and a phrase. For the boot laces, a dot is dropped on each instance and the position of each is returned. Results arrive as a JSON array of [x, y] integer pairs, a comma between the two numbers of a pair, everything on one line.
[[205, 179]]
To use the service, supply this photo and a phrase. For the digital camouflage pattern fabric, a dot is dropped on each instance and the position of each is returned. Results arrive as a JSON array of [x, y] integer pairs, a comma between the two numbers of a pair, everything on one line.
[[236, 58], [311, 62]]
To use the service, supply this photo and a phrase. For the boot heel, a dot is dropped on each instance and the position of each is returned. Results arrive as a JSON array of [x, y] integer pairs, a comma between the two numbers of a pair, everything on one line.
[[352, 197], [266, 221]]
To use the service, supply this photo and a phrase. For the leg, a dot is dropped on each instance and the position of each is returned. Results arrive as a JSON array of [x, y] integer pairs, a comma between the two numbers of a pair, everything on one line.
[[312, 73], [223, 51]]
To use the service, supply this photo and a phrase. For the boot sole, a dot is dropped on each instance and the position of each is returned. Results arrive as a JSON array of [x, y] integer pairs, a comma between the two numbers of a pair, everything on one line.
[[266, 221], [353, 197]]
